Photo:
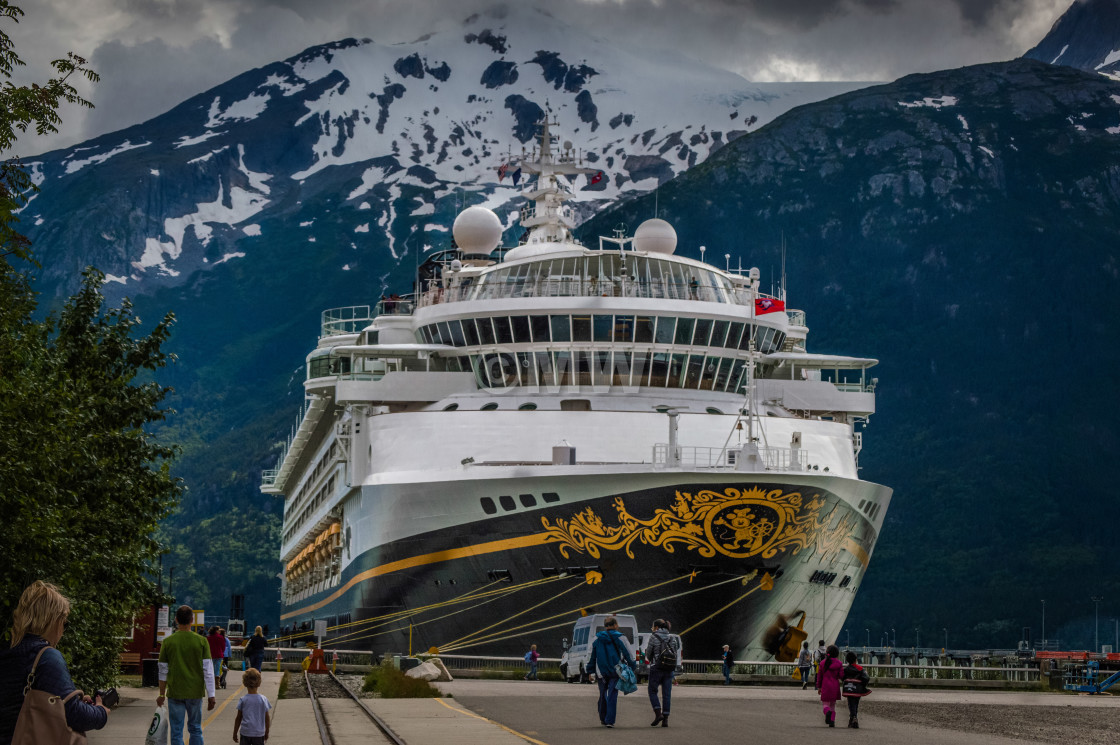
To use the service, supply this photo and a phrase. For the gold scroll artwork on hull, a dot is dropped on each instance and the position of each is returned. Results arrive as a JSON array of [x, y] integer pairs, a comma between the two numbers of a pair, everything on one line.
[[738, 523]]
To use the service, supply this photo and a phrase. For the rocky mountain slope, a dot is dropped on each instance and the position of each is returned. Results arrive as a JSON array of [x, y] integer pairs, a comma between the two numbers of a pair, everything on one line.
[[961, 227], [1087, 36]]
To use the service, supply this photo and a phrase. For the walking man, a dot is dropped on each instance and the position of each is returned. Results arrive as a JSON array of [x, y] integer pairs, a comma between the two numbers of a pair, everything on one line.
[[728, 661], [804, 663], [661, 651], [819, 654], [186, 676], [607, 651]]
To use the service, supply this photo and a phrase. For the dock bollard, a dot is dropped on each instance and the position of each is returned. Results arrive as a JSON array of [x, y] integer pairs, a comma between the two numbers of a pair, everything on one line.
[[334, 661], [279, 659]]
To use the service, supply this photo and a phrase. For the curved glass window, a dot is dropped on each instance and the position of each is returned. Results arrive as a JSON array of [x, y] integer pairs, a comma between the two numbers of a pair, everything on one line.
[[527, 407], [451, 407], [488, 407]]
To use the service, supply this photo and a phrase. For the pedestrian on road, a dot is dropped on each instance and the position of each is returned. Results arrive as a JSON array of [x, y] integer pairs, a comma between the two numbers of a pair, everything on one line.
[[828, 683], [253, 720], [32, 662], [531, 657], [818, 655], [254, 649], [728, 661], [661, 651], [804, 664], [217, 644], [186, 676], [225, 659], [608, 649], [854, 687]]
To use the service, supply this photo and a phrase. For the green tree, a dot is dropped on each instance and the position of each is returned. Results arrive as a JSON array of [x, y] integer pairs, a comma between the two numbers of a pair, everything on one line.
[[83, 482]]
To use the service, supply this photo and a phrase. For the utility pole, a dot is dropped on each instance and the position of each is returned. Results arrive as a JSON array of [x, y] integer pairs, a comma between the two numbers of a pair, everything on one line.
[[1096, 624], [869, 637], [946, 637], [1044, 624]]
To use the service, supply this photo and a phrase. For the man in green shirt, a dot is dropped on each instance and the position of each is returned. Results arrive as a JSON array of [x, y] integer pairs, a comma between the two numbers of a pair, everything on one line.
[[186, 676]]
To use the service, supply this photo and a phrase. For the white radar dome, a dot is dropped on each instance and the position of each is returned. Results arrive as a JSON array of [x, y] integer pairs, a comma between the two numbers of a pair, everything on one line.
[[477, 230], [655, 236]]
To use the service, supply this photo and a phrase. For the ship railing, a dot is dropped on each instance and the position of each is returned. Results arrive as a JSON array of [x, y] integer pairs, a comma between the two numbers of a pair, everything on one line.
[[591, 287], [395, 306], [796, 317], [687, 456], [348, 320], [268, 476]]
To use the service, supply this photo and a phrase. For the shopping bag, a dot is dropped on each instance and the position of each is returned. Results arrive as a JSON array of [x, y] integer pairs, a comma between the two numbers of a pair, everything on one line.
[[796, 673], [158, 731], [627, 681]]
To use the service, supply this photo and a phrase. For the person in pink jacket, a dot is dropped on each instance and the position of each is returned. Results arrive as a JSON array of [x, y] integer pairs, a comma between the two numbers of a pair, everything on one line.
[[828, 683]]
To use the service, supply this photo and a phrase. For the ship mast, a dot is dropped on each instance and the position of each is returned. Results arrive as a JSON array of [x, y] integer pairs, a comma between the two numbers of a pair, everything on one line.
[[546, 217]]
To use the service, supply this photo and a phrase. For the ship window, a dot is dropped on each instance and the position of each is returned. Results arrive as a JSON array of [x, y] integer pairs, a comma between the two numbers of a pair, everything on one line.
[[563, 368], [684, 331], [575, 404], [521, 329], [544, 369], [676, 370], [861, 505], [703, 332], [695, 371], [488, 505], [643, 329], [623, 328], [713, 410], [723, 374], [601, 368], [451, 407], [640, 369], [748, 334], [528, 500], [659, 369], [719, 333], [665, 328], [470, 331], [582, 362], [621, 370], [711, 365], [539, 325], [550, 497], [733, 335], [485, 330], [507, 503], [527, 407], [737, 382], [489, 407], [561, 330], [502, 332], [444, 333], [603, 326], [526, 368], [581, 328], [456, 333]]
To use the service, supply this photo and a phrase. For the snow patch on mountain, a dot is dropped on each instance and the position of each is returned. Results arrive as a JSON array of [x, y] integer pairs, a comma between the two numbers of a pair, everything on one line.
[[933, 103], [73, 166]]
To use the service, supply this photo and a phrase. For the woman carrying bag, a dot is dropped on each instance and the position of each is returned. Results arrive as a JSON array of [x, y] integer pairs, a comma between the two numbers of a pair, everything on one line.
[[38, 701]]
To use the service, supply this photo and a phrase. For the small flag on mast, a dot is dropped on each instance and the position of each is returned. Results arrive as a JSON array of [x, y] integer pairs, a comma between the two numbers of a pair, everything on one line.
[[517, 176], [597, 178], [502, 171]]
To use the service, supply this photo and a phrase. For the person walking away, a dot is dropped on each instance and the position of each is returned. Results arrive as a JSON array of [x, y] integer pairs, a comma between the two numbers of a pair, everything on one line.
[[253, 719], [186, 676], [531, 657], [33, 663], [608, 649], [661, 651], [828, 683], [855, 682], [728, 661], [804, 664], [818, 656], [217, 644], [225, 659], [254, 649]]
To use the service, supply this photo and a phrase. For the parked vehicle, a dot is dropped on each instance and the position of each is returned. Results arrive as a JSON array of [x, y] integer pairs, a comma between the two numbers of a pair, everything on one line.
[[574, 662]]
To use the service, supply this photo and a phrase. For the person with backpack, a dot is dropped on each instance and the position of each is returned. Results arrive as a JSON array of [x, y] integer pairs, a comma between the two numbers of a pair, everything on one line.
[[607, 651], [661, 651], [531, 657], [804, 664], [854, 688], [828, 683]]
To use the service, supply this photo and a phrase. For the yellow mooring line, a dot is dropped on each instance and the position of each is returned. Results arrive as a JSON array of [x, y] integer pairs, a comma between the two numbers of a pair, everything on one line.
[[515, 615]]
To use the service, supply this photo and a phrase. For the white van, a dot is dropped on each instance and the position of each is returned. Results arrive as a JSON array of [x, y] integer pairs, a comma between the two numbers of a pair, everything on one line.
[[642, 669], [574, 662]]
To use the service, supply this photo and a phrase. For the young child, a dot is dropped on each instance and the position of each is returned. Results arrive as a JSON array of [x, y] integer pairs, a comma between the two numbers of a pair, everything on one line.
[[828, 683], [855, 688], [253, 718]]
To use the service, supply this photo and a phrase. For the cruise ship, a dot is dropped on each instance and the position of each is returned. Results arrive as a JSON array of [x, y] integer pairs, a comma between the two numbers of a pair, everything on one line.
[[556, 429]]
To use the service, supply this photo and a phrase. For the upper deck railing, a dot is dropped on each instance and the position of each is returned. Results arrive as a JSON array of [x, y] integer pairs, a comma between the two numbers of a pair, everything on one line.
[[686, 456], [578, 287]]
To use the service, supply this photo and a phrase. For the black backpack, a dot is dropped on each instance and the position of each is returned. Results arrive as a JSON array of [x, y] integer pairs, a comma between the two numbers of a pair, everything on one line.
[[667, 656]]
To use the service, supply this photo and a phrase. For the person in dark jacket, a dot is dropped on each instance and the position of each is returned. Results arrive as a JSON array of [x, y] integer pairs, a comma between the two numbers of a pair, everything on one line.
[[607, 650], [854, 688], [254, 649], [37, 624], [661, 675], [728, 660]]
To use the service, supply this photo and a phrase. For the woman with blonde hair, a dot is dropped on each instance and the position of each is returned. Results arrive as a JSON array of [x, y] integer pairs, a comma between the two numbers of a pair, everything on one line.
[[38, 623], [254, 650]]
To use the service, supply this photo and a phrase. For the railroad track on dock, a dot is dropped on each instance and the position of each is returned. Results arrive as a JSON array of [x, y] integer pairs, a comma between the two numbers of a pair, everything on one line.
[[345, 719]]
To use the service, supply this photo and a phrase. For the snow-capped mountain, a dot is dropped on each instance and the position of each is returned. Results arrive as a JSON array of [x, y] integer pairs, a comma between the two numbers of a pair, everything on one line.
[[1087, 36], [372, 148]]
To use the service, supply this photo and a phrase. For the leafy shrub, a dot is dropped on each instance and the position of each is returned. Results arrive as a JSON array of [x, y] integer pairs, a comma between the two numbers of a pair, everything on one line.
[[389, 682]]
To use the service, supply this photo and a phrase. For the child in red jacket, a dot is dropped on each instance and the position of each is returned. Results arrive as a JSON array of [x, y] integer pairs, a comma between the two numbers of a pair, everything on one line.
[[828, 683], [855, 688]]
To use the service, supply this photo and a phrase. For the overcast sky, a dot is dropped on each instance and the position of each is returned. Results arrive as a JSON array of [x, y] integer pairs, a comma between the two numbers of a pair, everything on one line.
[[153, 54]]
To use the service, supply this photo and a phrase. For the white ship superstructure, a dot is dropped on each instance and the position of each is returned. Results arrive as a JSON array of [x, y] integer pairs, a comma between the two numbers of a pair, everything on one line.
[[569, 428]]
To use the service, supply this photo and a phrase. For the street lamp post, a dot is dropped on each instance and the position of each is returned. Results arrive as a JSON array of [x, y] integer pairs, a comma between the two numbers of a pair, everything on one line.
[[894, 637], [847, 639], [1044, 624], [869, 638], [946, 637], [917, 638], [1096, 624]]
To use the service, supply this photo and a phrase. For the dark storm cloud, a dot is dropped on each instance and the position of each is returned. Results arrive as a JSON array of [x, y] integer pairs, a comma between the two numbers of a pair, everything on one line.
[[153, 54]]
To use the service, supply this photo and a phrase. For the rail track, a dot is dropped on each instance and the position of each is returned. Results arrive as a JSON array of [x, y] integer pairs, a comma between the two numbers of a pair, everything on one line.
[[342, 717]]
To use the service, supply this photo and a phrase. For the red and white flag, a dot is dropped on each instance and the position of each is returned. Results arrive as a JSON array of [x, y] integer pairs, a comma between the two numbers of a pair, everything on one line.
[[597, 178], [502, 171], [768, 305]]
